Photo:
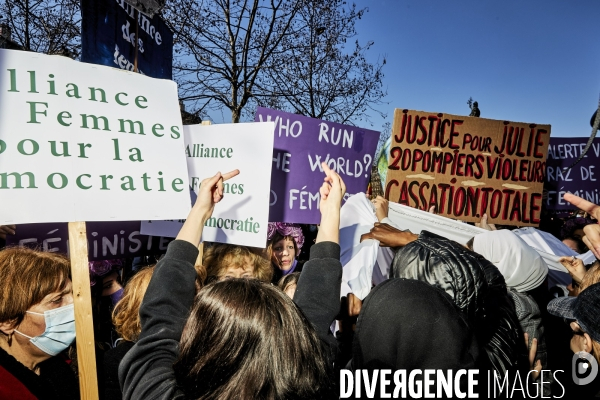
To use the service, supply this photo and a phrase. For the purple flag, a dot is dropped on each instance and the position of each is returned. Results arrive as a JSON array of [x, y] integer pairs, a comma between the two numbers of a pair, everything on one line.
[[301, 144]]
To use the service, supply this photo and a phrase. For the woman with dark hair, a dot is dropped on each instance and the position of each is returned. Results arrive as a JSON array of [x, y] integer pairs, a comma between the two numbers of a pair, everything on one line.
[[243, 338], [288, 283], [235, 329]]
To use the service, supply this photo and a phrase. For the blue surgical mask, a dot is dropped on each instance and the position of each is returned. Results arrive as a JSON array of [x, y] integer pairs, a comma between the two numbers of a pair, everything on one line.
[[59, 333]]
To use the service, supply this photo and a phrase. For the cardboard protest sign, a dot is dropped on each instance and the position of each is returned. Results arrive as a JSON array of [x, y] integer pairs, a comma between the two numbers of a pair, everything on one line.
[[301, 144], [582, 180], [82, 142], [108, 37], [468, 166], [106, 240], [242, 216]]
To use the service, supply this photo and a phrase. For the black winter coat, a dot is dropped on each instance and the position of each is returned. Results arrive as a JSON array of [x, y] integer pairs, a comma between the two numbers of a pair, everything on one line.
[[477, 288]]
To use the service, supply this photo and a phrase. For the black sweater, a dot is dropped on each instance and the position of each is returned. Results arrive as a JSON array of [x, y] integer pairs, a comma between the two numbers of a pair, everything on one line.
[[147, 373]]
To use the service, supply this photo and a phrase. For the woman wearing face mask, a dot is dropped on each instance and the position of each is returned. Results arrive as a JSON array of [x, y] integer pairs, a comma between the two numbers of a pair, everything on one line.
[[37, 323], [285, 243]]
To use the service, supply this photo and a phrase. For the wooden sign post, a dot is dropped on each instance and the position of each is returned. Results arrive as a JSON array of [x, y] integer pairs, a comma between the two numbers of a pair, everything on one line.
[[82, 299]]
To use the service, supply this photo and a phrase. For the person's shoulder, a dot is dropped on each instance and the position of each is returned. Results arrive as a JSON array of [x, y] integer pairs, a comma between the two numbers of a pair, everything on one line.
[[59, 372], [116, 354], [57, 365], [300, 265]]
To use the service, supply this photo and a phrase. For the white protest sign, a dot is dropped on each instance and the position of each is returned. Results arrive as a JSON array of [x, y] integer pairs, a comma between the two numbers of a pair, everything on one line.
[[243, 214], [82, 142]]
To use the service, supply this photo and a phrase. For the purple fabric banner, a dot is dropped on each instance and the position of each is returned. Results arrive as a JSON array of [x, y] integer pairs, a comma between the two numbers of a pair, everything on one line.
[[106, 240], [582, 180], [300, 145]]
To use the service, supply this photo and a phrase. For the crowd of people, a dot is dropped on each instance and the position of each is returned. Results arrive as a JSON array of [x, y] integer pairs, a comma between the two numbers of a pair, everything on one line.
[[247, 323]]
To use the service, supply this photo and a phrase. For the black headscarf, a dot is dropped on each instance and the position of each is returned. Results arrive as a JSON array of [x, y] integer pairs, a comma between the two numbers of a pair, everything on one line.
[[408, 324]]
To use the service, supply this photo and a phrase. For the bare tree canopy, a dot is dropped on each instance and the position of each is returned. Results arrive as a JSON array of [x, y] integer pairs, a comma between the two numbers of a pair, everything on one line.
[[295, 55], [285, 54], [44, 26], [322, 73], [222, 47]]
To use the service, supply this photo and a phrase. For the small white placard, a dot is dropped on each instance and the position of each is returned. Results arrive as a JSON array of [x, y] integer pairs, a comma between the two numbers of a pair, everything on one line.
[[243, 214]]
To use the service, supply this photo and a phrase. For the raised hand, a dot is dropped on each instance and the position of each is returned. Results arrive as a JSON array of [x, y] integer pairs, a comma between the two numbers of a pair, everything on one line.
[[592, 231], [209, 194]]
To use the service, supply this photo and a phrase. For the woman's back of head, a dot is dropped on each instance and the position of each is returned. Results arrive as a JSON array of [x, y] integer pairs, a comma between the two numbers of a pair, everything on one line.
[[246, 339]]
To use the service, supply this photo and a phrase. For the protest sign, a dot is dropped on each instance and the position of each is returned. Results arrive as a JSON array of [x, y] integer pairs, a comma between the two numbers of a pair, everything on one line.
[[466, 166], [108, 37], [82, 142], [301, 144], [581, 180], [242, 216], [106, 240]]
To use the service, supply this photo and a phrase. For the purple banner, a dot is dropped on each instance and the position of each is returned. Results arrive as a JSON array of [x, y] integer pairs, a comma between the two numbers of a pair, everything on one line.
[[301, 144], [106, 240], [582, 180]]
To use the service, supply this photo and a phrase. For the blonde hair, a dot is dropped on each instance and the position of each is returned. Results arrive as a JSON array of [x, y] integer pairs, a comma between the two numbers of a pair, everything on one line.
[[126, 315], [591, 276], [596, 350], [218, 257], [27, 277]]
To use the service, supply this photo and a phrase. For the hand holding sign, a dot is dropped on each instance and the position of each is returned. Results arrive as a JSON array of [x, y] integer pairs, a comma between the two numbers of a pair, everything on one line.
[[575, 267], [381, 207], [592, 231], [388, 236], [210, 193]]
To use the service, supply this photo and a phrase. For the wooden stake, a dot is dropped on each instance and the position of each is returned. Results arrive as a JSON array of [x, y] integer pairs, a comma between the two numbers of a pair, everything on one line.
[[200, 254], [137, 40], [82, 298]]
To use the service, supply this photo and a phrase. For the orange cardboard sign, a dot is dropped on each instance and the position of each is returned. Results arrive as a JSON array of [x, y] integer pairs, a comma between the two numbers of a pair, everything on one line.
[[466, 166]]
